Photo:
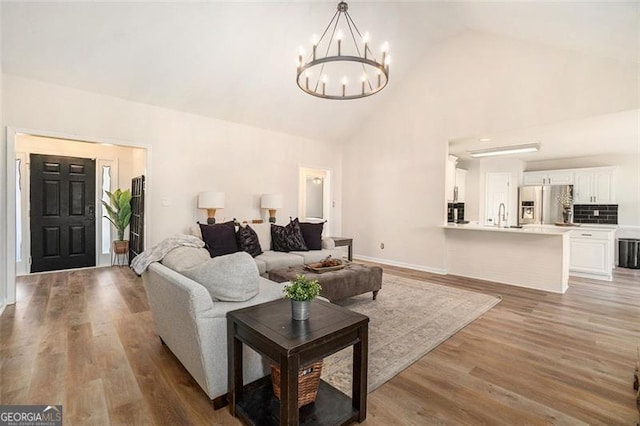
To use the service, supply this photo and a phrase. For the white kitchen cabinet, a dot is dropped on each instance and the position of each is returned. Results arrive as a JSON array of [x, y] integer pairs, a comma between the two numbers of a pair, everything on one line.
[[450, 177], [549, 177], [594, 186], [591, 254], [461, 184]]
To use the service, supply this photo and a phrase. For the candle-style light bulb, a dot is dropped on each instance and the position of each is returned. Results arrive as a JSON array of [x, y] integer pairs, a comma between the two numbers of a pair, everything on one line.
[[314, 42], [324, 83], [306, 76], [387, 61], [379, 77], [364, 79], [365, 40], [300, 53], [339, 38], [385, 50], [344, 85]]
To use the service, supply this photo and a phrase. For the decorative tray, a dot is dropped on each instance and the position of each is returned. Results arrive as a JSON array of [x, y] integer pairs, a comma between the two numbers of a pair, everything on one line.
[[315, 267]]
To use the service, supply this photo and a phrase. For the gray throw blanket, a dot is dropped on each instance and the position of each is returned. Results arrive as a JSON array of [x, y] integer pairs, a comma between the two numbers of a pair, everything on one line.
[[155, 254]]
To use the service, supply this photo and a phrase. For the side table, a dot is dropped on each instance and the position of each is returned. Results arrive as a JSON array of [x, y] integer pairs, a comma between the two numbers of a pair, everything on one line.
[[345, 241], [269, 330]]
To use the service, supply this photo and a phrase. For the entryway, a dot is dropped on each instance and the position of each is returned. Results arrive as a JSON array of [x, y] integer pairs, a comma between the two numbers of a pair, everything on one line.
[[59, 185], [62, 214]]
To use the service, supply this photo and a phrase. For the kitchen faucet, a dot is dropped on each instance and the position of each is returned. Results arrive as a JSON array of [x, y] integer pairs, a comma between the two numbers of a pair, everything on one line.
[[502, 220]]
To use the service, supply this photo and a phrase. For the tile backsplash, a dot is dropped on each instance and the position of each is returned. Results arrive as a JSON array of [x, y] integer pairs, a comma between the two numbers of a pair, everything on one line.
[[603, 214]]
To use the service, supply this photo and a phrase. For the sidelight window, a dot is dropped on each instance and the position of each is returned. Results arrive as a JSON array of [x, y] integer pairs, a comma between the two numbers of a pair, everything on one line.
[[106, 225]]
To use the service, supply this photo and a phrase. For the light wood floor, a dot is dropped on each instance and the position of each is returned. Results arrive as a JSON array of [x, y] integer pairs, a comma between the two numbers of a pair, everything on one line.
[[86, 340]]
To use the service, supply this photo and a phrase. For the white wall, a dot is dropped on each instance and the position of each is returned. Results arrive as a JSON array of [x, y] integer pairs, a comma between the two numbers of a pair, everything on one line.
[[472, 84], [188, 153], [3, 216], [627, 180]]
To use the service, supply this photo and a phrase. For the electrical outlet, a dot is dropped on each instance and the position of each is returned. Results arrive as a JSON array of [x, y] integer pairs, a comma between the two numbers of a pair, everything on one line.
[[382, 246], [596, 212]]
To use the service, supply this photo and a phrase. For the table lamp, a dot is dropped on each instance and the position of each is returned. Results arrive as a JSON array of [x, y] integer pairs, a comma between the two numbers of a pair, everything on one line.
[[271, 202], [211, 201]]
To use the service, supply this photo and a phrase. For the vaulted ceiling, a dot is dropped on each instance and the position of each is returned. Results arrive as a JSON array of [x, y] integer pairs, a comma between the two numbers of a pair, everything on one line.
[[236, 60]]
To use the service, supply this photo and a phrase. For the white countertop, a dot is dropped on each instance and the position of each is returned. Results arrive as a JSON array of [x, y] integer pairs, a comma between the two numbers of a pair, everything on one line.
[[546, 230], [530, 229]]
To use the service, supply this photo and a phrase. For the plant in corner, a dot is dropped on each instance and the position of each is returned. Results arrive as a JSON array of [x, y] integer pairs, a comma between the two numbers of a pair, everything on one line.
[[119, 214], [301, 291]]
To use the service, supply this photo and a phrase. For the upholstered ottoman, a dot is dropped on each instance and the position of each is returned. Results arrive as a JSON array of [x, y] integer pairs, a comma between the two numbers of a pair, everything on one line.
[[353, 280]]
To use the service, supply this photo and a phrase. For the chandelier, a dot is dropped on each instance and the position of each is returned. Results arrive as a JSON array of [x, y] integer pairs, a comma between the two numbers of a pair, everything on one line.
[[335, 66]]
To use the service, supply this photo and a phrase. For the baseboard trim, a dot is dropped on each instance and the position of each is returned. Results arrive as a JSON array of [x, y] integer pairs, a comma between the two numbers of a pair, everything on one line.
[[421, 268]]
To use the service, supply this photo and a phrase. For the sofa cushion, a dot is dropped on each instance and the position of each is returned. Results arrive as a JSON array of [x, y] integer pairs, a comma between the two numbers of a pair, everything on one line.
[[262, 266], [287, 238], [313, 256], [232, 278], [275, 260], [268, 291], [312, 234], [248, 240], [181, 258], [220, 238]]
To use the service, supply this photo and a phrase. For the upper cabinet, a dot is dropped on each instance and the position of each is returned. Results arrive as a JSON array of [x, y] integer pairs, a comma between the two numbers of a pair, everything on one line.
[[594, 186], [549, 177], [461, 185], [450, 177], [455, 181]]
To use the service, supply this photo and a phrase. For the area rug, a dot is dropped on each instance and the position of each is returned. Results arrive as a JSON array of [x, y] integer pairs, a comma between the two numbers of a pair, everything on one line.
[[408, 319]]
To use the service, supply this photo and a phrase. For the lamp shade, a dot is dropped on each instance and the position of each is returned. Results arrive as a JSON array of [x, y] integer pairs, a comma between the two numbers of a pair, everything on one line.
[[271, 201], [211, 200]]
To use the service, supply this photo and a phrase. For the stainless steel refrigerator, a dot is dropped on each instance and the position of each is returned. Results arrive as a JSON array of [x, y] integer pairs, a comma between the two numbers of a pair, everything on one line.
[[539, 204]]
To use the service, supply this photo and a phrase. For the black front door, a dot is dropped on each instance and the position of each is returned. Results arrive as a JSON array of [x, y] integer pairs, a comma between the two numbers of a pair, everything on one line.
[[62, 212]]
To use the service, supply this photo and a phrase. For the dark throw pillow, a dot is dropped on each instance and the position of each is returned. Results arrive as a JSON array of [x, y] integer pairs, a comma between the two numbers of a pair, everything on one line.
[[248, 241], [287, 238], [220, 238], [312, 234]]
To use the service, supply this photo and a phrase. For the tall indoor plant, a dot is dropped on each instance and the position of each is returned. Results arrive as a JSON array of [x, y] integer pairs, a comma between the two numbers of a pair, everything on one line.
[[119, 214]]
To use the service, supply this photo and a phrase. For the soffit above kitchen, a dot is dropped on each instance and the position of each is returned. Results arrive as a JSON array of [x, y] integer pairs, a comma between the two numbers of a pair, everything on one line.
[[617, 133], [236, 60]]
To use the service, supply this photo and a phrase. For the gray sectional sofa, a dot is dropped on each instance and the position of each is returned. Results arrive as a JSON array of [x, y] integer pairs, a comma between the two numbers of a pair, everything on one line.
[[192, 323]]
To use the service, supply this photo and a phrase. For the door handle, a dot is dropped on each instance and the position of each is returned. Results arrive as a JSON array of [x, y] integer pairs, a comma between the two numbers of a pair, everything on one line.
[[90, 212]]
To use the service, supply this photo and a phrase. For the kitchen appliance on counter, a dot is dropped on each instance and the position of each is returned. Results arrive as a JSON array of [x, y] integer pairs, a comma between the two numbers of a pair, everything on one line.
[[539, 204]]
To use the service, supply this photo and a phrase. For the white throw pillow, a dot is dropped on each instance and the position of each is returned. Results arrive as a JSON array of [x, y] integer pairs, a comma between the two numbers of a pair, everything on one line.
[[181, 258], [264, 234], [230, 278]]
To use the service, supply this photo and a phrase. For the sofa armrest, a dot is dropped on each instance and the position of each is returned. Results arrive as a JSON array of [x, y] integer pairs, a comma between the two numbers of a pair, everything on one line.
[[328, 243]]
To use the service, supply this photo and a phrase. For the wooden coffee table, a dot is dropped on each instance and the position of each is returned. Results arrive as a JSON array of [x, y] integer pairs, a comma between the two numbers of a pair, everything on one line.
[[268, 329]]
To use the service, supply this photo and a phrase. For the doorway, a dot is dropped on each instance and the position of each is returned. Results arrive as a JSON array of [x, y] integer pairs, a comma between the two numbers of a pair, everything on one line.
[[497, 192], [314, 203], [62, 214], [116, 161]]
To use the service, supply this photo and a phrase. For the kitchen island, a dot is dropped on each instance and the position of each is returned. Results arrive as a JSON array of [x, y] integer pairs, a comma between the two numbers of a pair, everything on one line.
[[533, 256]]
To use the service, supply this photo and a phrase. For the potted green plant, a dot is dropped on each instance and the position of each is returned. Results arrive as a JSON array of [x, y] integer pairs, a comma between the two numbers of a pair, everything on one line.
[[301, 291], [119, 214]]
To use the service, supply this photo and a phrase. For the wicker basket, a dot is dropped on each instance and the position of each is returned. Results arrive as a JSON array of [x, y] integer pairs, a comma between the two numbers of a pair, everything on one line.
[[308, 381]]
